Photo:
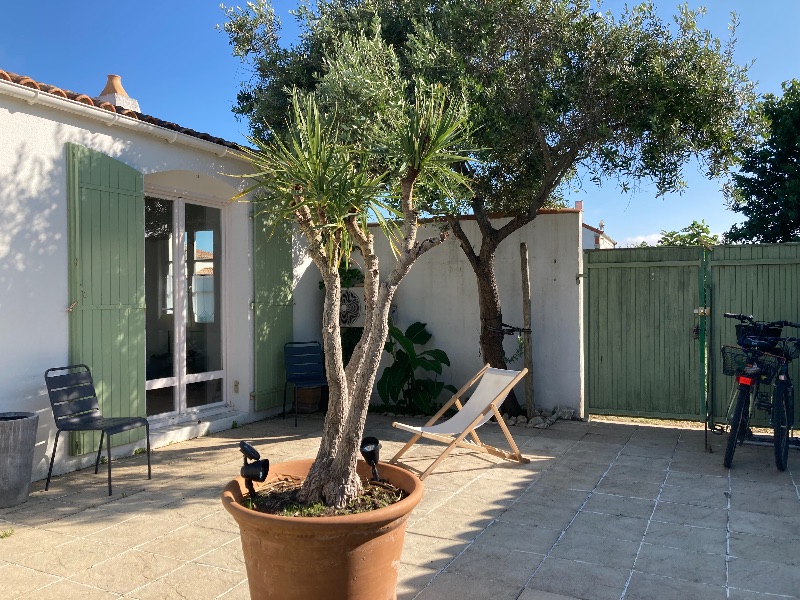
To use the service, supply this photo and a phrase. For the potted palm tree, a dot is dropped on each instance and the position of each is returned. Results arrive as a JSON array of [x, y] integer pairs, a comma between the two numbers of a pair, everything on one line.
[[331, 177]]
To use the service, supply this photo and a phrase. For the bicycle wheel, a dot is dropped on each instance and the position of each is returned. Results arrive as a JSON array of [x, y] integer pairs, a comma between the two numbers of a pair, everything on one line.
[[780, 426], [738, 425]]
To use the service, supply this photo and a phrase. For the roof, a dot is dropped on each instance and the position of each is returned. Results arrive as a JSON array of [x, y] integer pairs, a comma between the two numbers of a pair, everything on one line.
[[95, 101], [599, 232], [595, 229]]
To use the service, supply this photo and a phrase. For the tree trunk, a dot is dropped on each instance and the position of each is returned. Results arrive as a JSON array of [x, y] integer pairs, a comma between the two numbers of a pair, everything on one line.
[[332, 478], [491, 336]]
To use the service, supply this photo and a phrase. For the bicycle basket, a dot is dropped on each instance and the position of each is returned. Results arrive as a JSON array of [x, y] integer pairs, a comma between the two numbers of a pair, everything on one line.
[[747, 336], [734, 360], [791, 350]]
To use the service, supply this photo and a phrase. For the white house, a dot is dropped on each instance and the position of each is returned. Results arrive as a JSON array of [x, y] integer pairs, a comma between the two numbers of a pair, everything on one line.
[[120, 248]]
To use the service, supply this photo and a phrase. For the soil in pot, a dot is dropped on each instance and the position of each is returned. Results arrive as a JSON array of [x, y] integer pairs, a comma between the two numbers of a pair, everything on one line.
[[281, 497]]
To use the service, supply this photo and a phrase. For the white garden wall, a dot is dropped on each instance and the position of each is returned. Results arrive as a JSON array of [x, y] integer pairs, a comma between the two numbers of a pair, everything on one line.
[[441, 291]]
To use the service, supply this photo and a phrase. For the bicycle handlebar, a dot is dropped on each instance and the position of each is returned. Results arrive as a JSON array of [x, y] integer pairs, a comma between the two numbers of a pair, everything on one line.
[[739, 316], [752, 321]]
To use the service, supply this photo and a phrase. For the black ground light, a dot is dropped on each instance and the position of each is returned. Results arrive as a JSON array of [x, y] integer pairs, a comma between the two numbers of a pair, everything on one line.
[[370, 450], [252, 471]]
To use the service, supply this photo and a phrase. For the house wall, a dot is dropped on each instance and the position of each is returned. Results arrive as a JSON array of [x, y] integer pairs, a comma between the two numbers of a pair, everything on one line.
[[590, 239], [441, 291], [34, 248]]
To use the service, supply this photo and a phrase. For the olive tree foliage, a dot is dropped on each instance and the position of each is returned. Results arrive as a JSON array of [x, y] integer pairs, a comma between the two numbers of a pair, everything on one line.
[[766, 190], [330, 174], [553, 87]]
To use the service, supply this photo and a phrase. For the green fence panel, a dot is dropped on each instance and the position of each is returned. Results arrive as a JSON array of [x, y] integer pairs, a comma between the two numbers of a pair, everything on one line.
[[758, 279]]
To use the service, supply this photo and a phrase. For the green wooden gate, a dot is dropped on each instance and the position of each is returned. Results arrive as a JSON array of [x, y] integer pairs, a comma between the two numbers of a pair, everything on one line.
[[642, 348], [272, 309], [106, 285], [649, 312]]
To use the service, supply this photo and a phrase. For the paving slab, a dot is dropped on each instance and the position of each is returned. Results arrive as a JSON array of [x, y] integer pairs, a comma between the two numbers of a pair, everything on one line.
[[645, 586], [624, 511], [579, 580]]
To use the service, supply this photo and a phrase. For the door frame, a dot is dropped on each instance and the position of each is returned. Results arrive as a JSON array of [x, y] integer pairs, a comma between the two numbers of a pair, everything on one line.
[[181, 379]]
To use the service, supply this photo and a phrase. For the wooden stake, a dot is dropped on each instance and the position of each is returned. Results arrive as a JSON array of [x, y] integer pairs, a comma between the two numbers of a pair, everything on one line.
[[526, 324]]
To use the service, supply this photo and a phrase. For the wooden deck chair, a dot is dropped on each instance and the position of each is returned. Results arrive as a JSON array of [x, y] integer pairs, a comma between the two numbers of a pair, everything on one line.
[[494, 386]]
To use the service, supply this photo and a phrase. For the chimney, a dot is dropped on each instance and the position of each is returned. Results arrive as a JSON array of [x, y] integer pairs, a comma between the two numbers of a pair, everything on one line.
[[116, 94], [579, 204]]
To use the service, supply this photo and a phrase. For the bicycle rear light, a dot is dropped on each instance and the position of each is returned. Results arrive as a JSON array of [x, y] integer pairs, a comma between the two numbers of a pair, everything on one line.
[[744, 380]]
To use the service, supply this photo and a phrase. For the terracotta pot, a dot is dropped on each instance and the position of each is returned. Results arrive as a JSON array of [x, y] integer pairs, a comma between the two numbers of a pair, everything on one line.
[[351, 557]]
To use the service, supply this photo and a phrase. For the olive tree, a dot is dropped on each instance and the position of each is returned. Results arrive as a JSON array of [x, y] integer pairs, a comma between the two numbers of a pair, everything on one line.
[[556, 90]]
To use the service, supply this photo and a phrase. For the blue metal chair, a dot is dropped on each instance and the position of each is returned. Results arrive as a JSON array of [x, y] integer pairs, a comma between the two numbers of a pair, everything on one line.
[[305, 368], [76, 408]]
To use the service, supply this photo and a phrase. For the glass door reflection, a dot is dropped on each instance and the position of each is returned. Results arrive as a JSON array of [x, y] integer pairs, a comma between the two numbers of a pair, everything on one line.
[[203, 327]]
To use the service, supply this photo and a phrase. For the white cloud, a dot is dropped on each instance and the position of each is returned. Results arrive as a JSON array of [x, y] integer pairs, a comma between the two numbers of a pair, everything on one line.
[[651, 239]]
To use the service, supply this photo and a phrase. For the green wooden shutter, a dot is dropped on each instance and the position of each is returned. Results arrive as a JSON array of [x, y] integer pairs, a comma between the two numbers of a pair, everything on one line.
[[272, 309], [106, 280]]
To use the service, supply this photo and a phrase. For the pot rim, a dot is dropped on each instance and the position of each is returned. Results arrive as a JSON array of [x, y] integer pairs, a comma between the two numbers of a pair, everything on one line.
[[17, 415], [386, 514]]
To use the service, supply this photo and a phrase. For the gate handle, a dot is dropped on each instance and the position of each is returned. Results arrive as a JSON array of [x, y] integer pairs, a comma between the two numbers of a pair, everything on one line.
[[71, 306]]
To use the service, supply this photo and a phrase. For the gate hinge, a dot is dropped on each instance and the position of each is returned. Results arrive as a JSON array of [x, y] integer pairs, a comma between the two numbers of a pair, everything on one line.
[[703, 311]]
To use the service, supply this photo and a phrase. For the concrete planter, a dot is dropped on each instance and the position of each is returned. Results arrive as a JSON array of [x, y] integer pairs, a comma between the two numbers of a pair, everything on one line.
[[350, 557], [17, 441]]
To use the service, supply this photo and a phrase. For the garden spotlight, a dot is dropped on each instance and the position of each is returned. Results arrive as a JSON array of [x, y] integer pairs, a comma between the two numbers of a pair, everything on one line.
[[252, 471], [370, 450]]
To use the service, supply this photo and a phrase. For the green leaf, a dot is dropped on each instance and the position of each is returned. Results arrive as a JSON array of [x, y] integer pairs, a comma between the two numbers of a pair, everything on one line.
[[417, 333], [406, 344], [429, 365], [439, 356]]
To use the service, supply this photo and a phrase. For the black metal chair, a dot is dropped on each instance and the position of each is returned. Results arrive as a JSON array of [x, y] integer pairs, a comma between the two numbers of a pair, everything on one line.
[[305, 368], [76, 408]]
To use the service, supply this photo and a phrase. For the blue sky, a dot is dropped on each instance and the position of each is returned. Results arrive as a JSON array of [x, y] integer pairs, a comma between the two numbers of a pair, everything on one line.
[[179, 68]]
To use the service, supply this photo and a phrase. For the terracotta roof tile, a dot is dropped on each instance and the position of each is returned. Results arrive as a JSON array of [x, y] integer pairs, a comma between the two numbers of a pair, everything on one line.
[[84, 99]]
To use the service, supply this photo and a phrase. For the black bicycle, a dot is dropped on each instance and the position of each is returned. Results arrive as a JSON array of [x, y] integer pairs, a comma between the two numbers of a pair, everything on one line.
[[761, 357]]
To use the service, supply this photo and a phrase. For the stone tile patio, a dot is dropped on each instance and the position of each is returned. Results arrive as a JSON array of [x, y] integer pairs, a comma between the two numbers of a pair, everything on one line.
[[603, 511]]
